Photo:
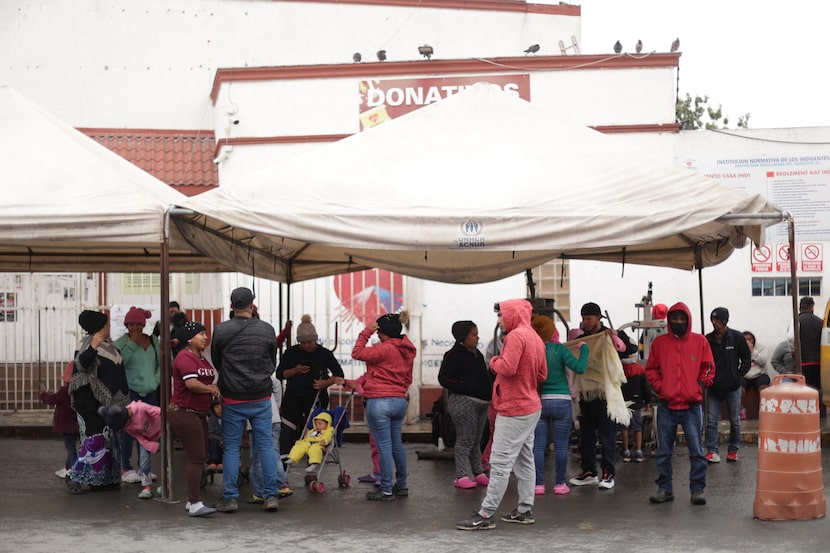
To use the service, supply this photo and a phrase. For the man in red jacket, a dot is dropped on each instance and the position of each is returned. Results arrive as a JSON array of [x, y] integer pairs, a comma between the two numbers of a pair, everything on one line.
[[520, 367], [677, 363]]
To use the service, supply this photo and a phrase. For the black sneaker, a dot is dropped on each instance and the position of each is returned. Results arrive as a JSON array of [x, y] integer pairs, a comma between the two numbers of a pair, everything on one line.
[[662, 496], [227, 505], [378, 495], [476, 522], [698, 498], [400, 492], [518, 518]]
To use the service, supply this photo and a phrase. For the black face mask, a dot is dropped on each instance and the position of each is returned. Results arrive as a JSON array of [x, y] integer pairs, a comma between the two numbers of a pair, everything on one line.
[[679, 329]]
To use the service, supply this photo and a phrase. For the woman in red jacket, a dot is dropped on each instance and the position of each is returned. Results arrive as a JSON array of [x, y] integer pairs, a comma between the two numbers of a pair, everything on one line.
[[388, 376]]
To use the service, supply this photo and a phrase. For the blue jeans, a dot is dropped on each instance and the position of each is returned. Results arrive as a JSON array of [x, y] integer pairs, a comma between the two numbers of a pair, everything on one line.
[[385, 416], [733, 403], [127, 442], [594, 421], [556, 413], [256, 466], [234, 417], [692, 422]]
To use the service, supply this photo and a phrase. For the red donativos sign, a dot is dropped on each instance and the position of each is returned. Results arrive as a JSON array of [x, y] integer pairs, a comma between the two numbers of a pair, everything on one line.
[[382, 100]]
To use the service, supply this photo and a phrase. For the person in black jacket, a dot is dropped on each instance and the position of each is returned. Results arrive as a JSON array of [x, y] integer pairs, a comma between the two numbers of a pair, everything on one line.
[[309, 369], [732, 362], [244, 352], [465, 376]]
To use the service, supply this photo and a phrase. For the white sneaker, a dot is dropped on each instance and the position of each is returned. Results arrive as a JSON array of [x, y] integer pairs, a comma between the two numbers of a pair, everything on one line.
[[312, 467], [585, 478], [130, 477], [61, 473], [607, 481]]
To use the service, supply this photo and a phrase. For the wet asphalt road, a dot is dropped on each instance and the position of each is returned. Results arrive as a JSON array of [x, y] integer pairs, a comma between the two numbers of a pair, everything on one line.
[[38, 515]]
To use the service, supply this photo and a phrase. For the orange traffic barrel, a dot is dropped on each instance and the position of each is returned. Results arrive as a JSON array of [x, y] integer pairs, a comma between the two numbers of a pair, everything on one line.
[[790, 482]]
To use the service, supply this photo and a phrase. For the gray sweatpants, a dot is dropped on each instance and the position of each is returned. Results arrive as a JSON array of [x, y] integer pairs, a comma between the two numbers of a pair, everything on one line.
[[512, 449]]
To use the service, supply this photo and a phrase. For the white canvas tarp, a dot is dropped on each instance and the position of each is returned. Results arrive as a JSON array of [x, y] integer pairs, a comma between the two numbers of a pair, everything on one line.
[[470, 189], [70, 204]]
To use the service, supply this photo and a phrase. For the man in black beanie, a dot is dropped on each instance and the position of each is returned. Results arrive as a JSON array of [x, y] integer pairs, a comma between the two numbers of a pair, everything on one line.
[[732, 361]]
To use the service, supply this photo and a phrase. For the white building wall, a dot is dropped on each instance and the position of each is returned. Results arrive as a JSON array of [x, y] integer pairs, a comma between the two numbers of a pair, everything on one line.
[[151, 63]]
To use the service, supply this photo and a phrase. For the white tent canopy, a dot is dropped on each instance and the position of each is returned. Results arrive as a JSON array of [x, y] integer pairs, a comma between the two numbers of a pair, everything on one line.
[[71, 204], [471, 189]]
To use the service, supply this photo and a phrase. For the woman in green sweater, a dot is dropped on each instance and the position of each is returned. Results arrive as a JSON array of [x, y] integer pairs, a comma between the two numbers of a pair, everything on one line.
[[557, 410]]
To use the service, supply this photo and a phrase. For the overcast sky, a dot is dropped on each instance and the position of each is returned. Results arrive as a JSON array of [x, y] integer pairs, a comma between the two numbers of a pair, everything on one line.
[[759, 57]]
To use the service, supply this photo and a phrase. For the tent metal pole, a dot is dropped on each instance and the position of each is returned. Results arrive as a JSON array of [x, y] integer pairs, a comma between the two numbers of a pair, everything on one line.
[[165, 358], [794, 294]]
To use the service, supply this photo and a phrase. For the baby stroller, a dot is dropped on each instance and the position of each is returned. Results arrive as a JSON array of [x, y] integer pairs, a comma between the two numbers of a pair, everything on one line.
[[340, 422]]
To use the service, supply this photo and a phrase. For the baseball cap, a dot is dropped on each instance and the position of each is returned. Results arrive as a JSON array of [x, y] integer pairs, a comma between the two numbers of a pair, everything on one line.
[[242, 298]]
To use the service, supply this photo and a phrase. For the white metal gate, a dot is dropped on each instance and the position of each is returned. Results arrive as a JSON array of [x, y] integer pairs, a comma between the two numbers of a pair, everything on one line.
[[38, 331]]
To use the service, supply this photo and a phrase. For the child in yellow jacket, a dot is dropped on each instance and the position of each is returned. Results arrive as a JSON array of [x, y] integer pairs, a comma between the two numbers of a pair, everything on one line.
[[314, 442]]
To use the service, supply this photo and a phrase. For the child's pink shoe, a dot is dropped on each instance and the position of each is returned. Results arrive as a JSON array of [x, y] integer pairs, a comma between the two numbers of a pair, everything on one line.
[[482, 479], [465, 483], [561, 489], [540, 490]]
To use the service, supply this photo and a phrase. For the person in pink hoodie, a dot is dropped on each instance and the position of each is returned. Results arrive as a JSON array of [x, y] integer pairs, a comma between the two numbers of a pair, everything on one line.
[[519, 369], [388, 377]]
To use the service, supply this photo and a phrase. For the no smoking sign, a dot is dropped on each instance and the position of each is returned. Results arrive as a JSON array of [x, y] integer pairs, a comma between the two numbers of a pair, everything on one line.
[[812, 258], [762, 259], [782, 254]]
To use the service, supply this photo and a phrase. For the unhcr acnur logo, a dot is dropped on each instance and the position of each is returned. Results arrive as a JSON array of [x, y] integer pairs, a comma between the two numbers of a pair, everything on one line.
[[472, 234]]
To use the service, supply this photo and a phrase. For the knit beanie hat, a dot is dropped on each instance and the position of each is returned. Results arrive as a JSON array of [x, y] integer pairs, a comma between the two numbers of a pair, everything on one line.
[[137, 315], [461, 329], [721, 314], [92, 321], [188, 330], [591, 308], [305, 330], [544, 327]]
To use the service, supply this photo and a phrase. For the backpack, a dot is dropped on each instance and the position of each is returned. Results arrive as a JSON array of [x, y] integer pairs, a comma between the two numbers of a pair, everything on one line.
[[442, 426]]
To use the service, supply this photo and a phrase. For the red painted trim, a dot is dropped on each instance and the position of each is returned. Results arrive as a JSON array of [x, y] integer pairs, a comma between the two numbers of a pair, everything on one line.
[[306, 138], [440, 67], [488, 5]]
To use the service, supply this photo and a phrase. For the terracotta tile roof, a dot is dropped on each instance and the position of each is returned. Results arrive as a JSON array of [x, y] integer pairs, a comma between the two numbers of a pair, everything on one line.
[[182, 159]]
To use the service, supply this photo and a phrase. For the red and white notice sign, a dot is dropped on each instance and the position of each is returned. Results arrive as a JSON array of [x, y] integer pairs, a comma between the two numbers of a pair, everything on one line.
[[762, 259], [812, 258], [782, 257]]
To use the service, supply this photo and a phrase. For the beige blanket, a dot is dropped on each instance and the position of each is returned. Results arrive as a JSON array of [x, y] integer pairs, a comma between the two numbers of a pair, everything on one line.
[[603, 377]]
